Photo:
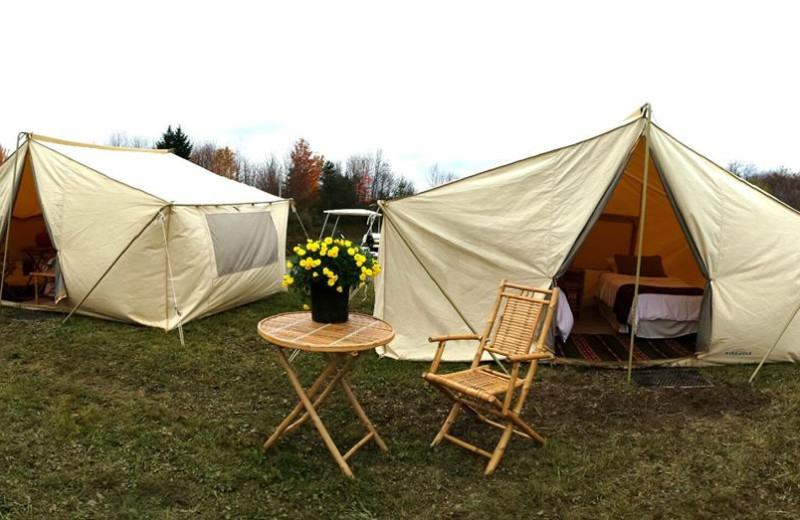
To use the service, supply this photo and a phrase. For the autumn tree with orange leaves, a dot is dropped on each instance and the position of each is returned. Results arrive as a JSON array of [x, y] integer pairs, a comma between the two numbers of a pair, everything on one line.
[[302, 179]]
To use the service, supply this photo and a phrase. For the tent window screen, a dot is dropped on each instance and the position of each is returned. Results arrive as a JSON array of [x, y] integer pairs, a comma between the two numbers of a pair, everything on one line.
[[243, 241]]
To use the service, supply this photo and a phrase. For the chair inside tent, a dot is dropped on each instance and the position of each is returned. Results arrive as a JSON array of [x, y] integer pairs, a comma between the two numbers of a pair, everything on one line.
[[31, 268], [599, 281]]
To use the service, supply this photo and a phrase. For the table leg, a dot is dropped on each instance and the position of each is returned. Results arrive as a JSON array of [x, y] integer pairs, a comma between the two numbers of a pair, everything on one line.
[[343, 370], [362, 415], [333, 364], [326, 438]]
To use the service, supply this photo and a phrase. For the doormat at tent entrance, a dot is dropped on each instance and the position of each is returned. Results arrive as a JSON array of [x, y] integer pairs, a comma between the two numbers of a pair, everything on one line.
[[612, 350], [671, 378]]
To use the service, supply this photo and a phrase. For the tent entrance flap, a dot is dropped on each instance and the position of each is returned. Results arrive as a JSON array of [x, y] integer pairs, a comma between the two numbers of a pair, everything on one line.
[[601, 272], [29, 245]]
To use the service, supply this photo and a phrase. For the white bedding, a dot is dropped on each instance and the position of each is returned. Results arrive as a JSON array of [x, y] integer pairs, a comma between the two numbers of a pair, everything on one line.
[[675, 307]]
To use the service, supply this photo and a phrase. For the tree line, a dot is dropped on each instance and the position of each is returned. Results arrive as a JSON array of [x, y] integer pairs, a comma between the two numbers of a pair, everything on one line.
[[314, 182], [782, 183]]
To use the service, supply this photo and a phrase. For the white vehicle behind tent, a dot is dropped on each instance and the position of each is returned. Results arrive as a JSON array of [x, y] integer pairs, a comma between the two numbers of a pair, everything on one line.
[[371, 239]]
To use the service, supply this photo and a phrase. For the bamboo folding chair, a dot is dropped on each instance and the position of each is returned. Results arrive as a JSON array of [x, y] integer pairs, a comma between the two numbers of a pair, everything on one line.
[[510, 332]]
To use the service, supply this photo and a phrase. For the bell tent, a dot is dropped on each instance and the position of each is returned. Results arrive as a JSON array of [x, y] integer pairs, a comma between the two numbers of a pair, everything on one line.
[[139, 235], [633, 190]]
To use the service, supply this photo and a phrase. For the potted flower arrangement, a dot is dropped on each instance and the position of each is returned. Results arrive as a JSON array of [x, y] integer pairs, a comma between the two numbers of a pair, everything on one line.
[[328, 269]]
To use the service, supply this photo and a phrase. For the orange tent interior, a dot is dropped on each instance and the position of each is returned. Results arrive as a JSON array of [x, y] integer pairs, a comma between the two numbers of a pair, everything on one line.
[[615, 232], [29, 243]]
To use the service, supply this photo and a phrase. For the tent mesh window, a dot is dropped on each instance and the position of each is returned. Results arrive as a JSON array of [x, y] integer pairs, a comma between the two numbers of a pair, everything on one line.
[[671, 378], [243, 241]]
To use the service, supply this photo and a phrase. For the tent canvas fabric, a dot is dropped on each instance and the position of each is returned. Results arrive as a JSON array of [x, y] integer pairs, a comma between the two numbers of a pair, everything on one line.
[[181, 235], [444, 250]]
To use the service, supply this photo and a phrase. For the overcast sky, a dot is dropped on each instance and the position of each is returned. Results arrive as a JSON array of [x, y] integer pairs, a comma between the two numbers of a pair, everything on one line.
[[468, 86]]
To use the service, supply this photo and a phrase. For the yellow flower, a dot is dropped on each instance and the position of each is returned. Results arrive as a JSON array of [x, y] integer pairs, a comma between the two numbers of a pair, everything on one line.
[[360, 263], [339, 289], [333, 252], [328, 240], [289, 265], [314, 274], [361, 284], [317, 261], [376, 268], [351, 251], [313, 246], [287, 280], [362, 277], [348, 243], [306, 307], [332, 282], [326, 271]]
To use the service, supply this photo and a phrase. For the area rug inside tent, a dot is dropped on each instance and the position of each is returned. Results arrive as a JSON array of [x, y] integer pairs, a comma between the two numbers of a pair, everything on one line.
[[612, 349]]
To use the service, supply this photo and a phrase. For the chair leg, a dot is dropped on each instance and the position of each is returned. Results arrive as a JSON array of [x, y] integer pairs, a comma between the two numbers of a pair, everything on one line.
[[451, 418], [499, 450]]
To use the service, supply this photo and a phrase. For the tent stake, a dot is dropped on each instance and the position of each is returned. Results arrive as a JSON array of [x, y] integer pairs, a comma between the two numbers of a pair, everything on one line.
[[15, 187], [114, 262], [642, 211]]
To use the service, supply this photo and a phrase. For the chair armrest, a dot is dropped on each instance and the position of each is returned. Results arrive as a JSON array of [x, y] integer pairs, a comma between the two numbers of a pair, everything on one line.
[[530, 357], [442, 341], [454, 337]]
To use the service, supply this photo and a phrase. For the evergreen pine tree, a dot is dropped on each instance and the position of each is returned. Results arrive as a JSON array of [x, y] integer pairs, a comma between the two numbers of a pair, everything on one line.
[[177, 141]]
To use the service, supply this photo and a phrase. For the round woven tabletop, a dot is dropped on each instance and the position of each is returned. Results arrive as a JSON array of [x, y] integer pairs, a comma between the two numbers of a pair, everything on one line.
[[296, 330]]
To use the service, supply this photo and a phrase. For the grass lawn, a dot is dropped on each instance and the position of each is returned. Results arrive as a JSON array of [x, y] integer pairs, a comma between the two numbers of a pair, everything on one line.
[[105, 420]]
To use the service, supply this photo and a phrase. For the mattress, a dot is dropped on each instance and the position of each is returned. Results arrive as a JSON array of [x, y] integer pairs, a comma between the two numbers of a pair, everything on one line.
[[672, 307]]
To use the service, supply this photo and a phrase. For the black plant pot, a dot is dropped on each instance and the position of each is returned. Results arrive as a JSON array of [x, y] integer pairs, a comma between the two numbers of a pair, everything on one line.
[[328, 305]]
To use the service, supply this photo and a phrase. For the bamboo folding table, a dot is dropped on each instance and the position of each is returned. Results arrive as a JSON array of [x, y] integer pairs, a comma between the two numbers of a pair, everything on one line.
[[341, 343]]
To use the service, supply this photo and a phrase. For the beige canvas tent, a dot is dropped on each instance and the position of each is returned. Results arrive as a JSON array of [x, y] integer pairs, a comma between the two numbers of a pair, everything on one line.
[[445, 249], [141, 236]]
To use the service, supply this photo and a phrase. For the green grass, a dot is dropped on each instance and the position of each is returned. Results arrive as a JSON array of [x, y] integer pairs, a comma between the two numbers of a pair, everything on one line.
[[106, 420]]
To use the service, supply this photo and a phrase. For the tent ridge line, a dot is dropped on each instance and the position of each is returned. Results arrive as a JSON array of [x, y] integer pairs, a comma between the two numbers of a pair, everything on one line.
[[103, 174], [38, 137], [749, 184], [546, 152]]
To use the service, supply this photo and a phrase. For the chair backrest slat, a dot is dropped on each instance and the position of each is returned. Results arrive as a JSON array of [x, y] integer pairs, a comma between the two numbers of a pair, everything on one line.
[[520, 311]]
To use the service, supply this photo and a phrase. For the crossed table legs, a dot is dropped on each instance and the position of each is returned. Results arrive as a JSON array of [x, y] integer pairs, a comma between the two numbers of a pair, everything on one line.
[[339, 365]]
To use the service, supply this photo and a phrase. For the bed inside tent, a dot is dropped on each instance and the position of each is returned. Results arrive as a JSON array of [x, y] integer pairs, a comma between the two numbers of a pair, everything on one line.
[[598, 280], [31, 271]]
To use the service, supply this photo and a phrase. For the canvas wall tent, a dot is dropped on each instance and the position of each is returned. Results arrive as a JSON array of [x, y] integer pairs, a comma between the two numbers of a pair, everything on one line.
[[444, 250], [182, 237]]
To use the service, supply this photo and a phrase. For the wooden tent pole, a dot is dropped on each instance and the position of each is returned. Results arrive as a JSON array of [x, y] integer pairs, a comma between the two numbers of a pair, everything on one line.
[[114, 262], [14, 188], [642, 211]]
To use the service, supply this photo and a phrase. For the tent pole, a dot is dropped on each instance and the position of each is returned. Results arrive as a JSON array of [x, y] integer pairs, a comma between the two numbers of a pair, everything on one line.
[[14, 187], [114, 263], [166, 275], [436, 283], [296, 214], [324, 224], [764, 359], [642, 211]]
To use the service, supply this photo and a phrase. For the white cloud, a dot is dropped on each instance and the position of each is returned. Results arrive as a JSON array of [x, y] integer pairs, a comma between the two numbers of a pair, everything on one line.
[[465, 85]]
